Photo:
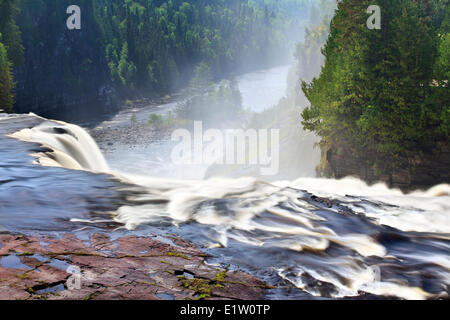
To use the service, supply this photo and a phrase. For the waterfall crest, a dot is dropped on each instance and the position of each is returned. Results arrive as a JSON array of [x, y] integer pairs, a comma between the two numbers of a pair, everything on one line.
[[339, 232]]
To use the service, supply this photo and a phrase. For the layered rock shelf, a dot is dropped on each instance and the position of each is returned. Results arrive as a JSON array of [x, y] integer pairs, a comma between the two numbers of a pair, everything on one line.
[[130, 267]]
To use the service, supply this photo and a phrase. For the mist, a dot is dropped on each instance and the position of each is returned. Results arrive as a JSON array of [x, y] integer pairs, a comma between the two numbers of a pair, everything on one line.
[[201, 156], [274, 100]]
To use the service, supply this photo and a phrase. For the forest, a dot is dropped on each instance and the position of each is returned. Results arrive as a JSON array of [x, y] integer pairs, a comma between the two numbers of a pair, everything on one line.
[[228, 150], [383, 96], [134, 48]]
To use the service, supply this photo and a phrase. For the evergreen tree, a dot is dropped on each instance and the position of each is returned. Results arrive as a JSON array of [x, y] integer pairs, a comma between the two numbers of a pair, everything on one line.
[[376, 97], [6, 80], [11, 33], [140, 47], [11, 52]]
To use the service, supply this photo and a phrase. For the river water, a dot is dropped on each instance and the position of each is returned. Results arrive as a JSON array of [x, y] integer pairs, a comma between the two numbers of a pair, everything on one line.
[[260, 90], [310, 238]]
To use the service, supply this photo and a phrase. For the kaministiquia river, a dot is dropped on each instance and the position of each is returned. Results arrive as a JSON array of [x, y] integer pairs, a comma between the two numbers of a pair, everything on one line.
[[309, 238]]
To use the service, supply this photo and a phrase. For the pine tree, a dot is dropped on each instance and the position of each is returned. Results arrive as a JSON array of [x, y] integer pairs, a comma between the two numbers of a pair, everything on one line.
[[6, 80], [11, 33], [376, 96]]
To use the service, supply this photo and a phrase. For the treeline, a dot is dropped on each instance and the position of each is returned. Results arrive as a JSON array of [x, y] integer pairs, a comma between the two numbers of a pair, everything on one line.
[[383, 95], [129, 48], [155, 45], [299, 156], [11, 52]]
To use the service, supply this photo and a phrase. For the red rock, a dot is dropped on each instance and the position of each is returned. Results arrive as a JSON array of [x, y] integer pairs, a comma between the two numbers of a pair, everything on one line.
[[129, 268], [102, 242]]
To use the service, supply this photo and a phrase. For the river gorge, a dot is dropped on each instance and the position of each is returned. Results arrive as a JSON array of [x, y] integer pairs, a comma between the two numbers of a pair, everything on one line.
[[300, 238]]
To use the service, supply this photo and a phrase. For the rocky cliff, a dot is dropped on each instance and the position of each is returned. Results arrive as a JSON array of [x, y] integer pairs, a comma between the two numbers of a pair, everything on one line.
[[420, 173], [65, 74]]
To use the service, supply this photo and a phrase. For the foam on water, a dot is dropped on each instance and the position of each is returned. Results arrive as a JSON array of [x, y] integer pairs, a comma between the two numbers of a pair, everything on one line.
[[344, 243], [72, 146]]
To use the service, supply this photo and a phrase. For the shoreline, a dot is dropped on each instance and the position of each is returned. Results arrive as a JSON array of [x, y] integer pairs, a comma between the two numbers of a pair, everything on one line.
[[129, 267], [36, 266]]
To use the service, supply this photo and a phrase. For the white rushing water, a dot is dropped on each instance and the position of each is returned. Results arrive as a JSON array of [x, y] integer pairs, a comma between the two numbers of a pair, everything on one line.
[[282, 216], [259, 90], [307, 231], [72, 146]]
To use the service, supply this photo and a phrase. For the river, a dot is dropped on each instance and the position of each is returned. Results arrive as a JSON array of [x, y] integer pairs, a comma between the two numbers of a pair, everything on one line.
[[260, 90], [309, 238]]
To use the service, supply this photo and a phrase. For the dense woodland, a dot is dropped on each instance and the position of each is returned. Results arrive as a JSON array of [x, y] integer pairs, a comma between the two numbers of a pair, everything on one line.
[[383, 95], [299, 154], [135, 48]]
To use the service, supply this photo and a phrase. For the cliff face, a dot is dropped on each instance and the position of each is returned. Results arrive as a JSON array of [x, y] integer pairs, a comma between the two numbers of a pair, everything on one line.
[[422, 173], [65, 74], [54, 83]]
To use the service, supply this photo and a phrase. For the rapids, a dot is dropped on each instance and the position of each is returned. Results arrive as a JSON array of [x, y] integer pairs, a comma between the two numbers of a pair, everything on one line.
[[326, 238]]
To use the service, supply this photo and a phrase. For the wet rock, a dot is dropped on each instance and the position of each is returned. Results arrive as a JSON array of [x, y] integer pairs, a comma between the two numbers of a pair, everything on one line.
[[102, 242], [3, 229], [127, 268]]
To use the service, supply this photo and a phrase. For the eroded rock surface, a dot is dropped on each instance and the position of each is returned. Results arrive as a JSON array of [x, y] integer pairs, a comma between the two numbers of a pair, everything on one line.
[[130, 267]]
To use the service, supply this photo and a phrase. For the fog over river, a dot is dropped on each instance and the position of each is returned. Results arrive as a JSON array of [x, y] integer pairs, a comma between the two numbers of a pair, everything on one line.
[[310, 238]]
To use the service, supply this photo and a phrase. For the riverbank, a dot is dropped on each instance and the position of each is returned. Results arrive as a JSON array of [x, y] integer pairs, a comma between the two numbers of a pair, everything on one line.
[[308, 239], [132, 135], [131, 132], [98, 268], [43, 242]]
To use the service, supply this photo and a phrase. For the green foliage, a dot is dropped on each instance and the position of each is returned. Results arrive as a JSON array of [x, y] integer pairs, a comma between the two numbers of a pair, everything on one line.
[[6, 80], [215, 106], [122, 71], [442, 64], [202, 76], [155, 119], [133, 119], [167, 122], [443, 61], [11, 52], [377, 94], [129, 48], [162, 45], [177, 254], [309, 52], [11, 34]]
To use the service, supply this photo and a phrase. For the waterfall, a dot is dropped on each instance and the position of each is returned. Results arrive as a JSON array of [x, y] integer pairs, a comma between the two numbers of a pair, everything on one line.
[[335, 231], [72, 147]]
